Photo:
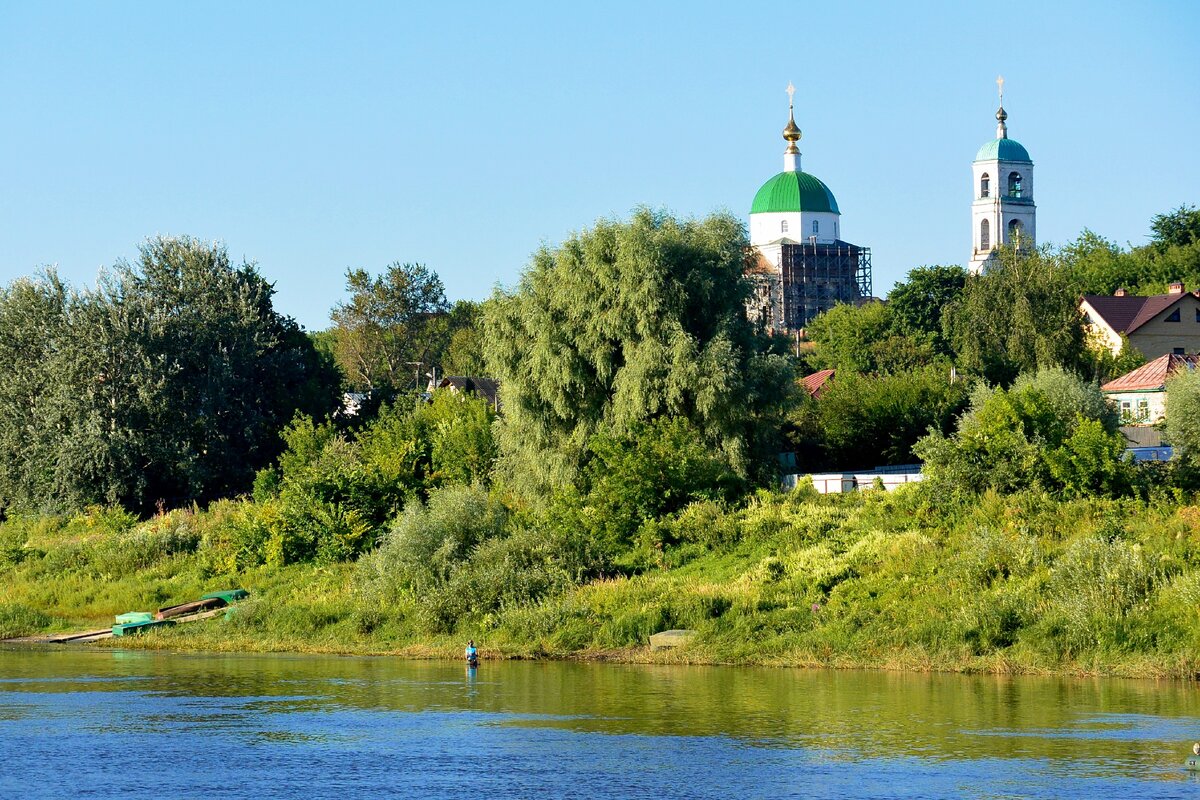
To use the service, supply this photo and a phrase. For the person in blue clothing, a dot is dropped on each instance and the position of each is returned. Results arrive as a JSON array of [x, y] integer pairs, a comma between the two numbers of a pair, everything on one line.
[[472, 655]]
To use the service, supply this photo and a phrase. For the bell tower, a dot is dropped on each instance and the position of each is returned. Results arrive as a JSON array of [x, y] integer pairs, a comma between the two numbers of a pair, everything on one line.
[[1003, 211]]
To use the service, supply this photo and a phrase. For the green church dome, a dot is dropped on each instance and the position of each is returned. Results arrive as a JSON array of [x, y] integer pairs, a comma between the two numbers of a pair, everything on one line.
[[794, 191], [1003, 150]]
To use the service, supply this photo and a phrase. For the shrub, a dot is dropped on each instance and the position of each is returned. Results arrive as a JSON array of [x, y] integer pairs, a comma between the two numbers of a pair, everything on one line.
[[19, 620], [429, 541]]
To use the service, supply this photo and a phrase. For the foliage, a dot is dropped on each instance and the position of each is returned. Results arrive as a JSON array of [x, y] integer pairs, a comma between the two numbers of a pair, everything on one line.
[[655, 470], [868, 421], [464, 348], [622, 324], [1019, 315], [1098, 266], [390, 323], [847, 334], [918, 302], [1179, 228], [333, 490], [167, 383], [1183, 422], [1037, 433], [1104, 366]]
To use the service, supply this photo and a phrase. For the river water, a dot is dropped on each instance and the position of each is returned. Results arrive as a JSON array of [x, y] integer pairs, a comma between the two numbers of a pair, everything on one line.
[[111, 723]]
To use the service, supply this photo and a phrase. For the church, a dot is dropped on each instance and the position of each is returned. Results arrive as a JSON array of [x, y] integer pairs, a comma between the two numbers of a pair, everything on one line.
[[800, 266]]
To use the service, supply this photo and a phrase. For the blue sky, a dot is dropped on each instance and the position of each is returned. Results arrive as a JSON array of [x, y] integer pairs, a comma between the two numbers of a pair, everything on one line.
[[316, 137]]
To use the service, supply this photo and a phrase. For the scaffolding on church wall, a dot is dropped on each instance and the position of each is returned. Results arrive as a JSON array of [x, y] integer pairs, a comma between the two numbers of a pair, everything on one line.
[[816, 277]]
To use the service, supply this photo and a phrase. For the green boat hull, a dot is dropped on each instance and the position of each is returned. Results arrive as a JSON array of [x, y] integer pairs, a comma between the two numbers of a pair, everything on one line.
[[130, 628]]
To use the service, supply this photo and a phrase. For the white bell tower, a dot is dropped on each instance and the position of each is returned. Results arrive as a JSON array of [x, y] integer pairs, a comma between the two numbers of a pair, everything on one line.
[[1003, 211]]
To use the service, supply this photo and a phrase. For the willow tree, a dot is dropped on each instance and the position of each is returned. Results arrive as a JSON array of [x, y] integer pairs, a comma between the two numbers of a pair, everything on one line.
[[623, 324]]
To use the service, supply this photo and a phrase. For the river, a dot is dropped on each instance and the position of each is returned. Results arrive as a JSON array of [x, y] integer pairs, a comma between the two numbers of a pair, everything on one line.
[[85, 722]]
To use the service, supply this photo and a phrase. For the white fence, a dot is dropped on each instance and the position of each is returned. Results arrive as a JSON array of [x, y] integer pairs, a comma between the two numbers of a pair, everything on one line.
[[839, 482]]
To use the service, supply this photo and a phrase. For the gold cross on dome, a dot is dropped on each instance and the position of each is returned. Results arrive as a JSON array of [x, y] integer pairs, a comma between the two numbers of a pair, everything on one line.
[[1000, 86], [791, 90]]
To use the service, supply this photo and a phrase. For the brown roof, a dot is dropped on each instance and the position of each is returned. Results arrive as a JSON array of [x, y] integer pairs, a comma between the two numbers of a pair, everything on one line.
[[1152, 375], [815, 384], [1125, 314], [487, 388]]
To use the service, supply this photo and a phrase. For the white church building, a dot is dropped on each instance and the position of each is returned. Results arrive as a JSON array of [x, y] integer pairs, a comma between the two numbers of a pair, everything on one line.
[[1003, 211]]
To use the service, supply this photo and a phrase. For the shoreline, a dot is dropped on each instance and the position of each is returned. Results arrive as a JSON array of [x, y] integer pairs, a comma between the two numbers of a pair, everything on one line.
[[906, 663]]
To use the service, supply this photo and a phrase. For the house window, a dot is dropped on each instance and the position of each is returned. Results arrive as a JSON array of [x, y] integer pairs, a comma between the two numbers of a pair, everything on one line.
[[1178, 351], [1143, 410], [1174, 317], [983, 185], [1014, 184], [816, 226], [783, 226], [985, 235]]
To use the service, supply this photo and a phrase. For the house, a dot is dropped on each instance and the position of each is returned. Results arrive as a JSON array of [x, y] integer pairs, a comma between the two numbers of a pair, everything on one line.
[[1141, 395], [1156, 325], [486, 388], [815, 384]]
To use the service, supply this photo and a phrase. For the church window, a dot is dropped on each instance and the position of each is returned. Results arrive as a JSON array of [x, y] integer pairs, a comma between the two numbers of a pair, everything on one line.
[[1198, 315], [1014, 184], [1014, 232], [983, 185], [985, 235], [1174, 316], [816, 226], [783, 226], [836, 234]]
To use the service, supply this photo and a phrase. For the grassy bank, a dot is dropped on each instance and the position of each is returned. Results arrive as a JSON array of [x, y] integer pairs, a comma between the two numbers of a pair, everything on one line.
[[1024, 583]]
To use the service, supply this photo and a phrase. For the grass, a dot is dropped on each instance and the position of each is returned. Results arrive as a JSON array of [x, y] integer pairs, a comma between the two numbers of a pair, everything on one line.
[[1024, 583]]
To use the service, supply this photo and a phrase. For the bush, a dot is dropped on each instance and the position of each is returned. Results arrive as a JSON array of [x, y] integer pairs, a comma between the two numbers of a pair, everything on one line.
[[18, 620], [1049, 430], [429, 541]]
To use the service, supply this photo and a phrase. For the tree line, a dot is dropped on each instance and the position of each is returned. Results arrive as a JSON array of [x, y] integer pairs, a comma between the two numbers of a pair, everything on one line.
[[624, 354]]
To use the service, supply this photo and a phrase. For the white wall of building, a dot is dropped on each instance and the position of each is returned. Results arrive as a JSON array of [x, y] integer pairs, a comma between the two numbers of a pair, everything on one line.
[[768, 227], [1000, 210]]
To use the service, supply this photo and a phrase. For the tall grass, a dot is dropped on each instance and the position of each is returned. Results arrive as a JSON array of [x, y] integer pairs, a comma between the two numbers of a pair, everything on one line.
[[1024, 582]]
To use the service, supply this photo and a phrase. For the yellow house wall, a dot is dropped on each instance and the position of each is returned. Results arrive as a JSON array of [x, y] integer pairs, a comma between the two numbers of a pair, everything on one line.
[[1157, 337]]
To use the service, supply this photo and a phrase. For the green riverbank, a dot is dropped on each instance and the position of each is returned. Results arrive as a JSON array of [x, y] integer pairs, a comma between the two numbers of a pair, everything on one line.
[[1024, 583]]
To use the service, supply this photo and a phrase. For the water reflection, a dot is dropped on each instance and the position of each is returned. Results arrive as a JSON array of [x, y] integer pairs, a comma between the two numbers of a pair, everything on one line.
[[523, 728]]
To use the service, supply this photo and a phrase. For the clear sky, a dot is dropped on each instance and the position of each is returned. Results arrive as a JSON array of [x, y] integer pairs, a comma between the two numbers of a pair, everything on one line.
[[316, 137]]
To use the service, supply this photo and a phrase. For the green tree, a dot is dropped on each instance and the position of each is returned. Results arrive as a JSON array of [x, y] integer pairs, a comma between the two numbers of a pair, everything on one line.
[[1179, 228], [868, 421], [654, 470], [391, 328], [1005, 439], [1183, 422], [167, 383], [620, 325], [846, 336], [463, 354], [917, 303], [34, 324], [1019, 315]]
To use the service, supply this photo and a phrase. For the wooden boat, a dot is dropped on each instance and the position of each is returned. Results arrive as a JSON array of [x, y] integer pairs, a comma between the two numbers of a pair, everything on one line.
[[130, 628]]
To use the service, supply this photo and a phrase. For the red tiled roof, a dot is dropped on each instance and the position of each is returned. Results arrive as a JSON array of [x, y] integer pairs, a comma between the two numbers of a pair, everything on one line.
[[814, 384], [1128, 313], [1152, 375]]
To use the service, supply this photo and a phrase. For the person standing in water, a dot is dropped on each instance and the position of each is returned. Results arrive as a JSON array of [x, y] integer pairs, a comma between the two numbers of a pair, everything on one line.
[[471, 654]]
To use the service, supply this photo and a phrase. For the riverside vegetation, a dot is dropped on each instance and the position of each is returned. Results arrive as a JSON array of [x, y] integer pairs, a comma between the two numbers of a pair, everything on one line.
[[625, 486]]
